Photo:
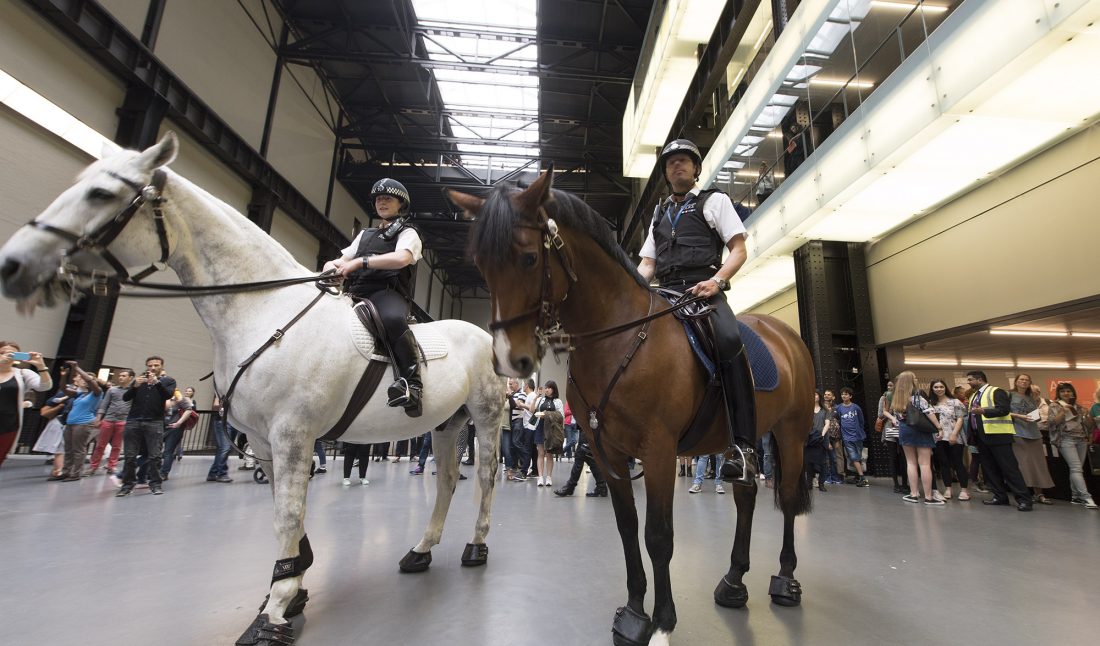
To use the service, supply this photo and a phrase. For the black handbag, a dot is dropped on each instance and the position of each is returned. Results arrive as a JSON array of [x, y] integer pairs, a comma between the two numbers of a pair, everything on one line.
[[917, 419]]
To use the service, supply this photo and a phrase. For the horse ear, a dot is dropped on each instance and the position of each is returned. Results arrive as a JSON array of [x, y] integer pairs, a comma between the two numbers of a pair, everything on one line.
[[537, 193], [470, 204], [161, 153], [108, 148]]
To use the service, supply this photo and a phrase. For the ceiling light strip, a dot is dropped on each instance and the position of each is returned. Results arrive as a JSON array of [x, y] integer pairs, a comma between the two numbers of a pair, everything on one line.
[[1003, 332], [37, 108], [797, 35]]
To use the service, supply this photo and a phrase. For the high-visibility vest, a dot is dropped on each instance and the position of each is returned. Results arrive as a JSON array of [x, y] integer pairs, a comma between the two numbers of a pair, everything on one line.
[[994, 425]]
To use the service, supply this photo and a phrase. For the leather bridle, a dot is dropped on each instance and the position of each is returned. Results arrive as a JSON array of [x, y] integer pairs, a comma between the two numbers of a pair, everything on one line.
[[547, 313], [97, 241]]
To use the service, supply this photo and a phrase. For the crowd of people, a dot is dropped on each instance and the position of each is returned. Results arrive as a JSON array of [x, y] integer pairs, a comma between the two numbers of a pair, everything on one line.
[[942, 442]]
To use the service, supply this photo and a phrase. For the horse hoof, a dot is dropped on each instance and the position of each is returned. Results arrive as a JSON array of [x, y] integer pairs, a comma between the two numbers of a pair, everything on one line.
[[415, 562], [264, 633], [731, 595], [631, 628], [475, 554], [785, 591], [296, 606]]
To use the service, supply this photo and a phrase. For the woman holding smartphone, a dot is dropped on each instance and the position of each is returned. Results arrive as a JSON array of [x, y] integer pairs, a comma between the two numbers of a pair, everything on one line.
[[14, 383]]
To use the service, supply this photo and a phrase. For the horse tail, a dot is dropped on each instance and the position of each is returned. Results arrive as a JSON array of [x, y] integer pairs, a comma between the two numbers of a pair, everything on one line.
[[802, 502]]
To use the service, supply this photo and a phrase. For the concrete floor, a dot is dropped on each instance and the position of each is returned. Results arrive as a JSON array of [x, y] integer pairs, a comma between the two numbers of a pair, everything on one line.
[[190, 567]]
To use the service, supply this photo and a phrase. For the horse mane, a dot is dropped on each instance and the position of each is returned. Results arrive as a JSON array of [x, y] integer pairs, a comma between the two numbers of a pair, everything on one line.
[[493, 229]]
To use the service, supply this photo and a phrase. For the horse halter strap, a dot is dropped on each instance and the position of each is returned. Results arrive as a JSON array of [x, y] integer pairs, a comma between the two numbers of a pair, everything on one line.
[[99, 239], [547, 319]]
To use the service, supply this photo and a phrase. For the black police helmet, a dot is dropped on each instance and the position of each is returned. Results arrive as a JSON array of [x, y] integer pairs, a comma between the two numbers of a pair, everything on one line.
[[394, 188], [681, 147]]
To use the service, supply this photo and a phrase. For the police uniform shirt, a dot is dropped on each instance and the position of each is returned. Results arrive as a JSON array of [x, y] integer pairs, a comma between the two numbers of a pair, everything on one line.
[[407, 240], [719, 213]]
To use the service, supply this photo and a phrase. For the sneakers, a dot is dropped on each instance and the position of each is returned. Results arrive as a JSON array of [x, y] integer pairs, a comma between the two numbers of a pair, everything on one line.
[[321, 469], [911, 498], [519, 477], [1089, 504], [126, 490], [223, 479], [347, 481], [542, 483], [862, 482], [937, 497], [364, 481], [935, 502], [155, 489], [718, 488], [416, 471], [695, 488]]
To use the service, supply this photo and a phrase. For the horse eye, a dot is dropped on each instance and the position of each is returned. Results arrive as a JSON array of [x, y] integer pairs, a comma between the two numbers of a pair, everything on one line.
[[527, 260], [100, 195]]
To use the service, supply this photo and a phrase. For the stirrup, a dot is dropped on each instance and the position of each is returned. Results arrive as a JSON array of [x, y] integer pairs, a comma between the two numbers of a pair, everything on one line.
[[745, 478], [399, 392]]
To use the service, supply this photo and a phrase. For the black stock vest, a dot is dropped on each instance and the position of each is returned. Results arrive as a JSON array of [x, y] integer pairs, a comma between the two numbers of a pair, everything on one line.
[[375, 242], [687, 247]]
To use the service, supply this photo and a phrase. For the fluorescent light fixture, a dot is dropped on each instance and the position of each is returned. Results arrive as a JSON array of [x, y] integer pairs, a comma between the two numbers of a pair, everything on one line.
[[1091, 335], [906, 6], [1006, 332], [934, 129], [51, 117], [655, 99], [1087, 366], [1042, 364], [931, 362], [861, 85], [981, 362]]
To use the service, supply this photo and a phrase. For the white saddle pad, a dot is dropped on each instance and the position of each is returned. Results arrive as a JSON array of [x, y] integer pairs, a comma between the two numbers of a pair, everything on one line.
[[431, 341]]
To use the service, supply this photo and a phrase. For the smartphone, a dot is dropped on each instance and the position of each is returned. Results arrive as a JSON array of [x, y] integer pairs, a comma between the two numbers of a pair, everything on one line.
[[21, 356]]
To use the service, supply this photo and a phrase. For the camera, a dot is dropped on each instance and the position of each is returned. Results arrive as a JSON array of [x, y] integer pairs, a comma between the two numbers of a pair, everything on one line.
[[21, 356]]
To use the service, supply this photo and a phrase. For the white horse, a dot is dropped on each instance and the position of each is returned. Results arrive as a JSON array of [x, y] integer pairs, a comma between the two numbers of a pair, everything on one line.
[[281, 409]]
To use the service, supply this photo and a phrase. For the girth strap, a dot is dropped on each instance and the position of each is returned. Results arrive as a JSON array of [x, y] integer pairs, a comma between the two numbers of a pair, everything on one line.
[[372, 376]]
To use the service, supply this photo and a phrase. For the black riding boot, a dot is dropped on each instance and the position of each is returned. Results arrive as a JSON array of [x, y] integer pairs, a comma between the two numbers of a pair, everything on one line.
[[405, 392], [741, 405]]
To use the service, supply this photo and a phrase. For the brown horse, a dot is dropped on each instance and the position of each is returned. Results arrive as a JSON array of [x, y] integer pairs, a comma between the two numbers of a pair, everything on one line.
[[551, 261]]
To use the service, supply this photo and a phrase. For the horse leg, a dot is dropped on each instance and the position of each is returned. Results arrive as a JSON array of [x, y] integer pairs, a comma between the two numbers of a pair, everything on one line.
[[288, 460], [446, 466], [660, 480], [793, 494], [488, 463], [731, 591], [631, 626]]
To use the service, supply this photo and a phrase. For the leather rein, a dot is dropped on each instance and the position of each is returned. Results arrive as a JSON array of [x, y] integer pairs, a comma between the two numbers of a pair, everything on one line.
[[549, 331]]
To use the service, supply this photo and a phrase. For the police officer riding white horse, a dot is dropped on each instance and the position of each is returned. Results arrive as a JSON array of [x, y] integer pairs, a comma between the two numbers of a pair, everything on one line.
[[689, 230], [376, 266]]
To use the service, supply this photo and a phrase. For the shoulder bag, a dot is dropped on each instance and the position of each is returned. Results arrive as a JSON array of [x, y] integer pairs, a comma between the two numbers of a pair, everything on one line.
[[916, 419]]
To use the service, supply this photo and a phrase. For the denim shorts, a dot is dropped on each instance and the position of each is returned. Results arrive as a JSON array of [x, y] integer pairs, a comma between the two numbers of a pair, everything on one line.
[[854, 450], [910, 436]]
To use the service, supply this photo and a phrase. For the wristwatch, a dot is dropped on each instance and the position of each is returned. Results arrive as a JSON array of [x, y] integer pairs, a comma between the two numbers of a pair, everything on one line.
[[722, 283]]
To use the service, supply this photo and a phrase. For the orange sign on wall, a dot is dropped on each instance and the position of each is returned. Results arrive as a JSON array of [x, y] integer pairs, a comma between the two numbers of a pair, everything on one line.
[[1086, 389]]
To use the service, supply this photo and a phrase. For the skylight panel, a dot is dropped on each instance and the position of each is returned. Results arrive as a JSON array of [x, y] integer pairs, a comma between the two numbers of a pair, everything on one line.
[[495, 38], [489, 13]]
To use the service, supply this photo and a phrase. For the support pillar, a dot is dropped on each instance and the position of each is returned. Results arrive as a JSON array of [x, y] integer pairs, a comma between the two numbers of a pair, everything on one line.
[[834, 312]]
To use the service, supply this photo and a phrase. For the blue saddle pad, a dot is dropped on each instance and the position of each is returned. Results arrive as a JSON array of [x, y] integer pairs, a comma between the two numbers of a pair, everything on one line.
[[765, 375]]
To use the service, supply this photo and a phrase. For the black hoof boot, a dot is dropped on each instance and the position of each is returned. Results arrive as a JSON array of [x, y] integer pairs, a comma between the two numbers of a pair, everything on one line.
[[785, 591], [296, 606], [631, 628], [264, 633], [475, 554], [415, 562], [731, 595]]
